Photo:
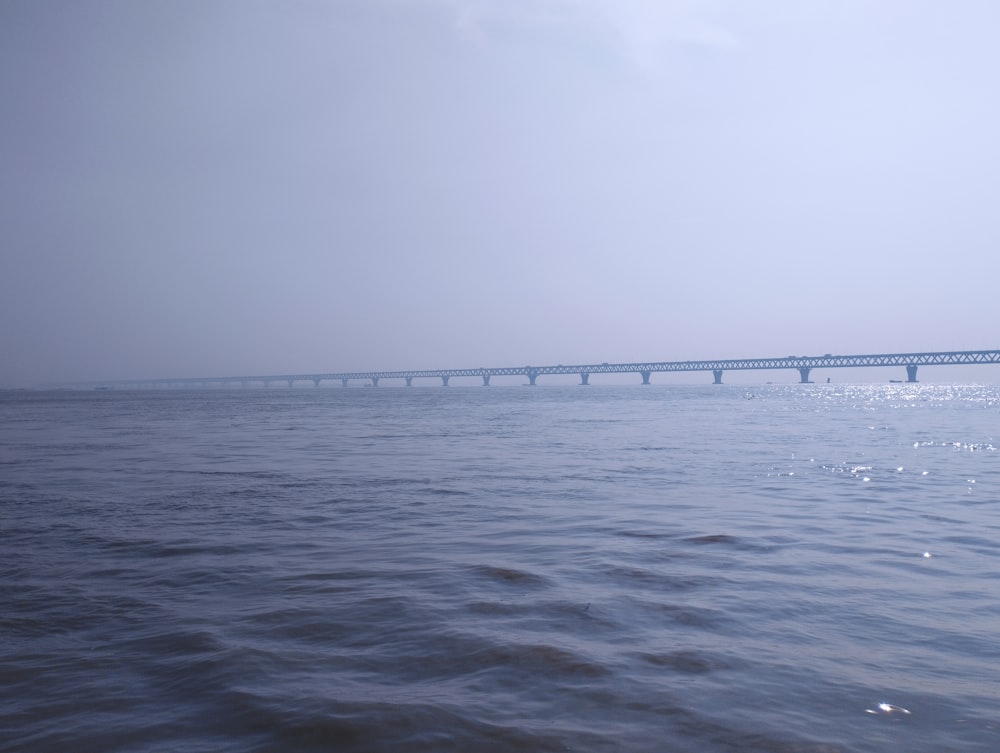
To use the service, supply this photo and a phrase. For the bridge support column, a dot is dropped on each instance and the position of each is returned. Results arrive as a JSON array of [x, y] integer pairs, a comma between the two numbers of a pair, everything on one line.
[[486, 380], [645, 377], [717, 373], [911, 373], [532, 376], [804, 374], [316, 382], [409, 381], [343, 382], [444, 381], [374, 381], [584, 377], [290, 383]]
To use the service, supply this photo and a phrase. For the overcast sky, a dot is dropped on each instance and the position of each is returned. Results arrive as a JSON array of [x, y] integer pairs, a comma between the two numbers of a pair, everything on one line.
[[216, 187]]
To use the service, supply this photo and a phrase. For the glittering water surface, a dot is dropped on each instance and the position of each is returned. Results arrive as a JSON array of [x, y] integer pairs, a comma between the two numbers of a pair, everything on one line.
[[792, 568]]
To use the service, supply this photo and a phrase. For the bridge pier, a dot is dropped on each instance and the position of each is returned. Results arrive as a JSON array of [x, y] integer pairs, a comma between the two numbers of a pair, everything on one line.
[[911, 373], [374, 381], [444, 380], [717, 373], [804, 373], [290, 383], [532, 376], [409, 381], [343, 382], [316, 382], [645, 377], [486, 380], [584, 377]]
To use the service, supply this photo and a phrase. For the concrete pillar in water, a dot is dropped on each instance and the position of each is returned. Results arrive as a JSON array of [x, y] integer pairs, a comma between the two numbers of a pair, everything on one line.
[[911, 373], [584, 377], [444, 381], [804, 373], [374, 381], [532, 375], [717, 373], [409, 381], [645, 377], [316, 382], [343, 382], [290, 383], [486, 380]]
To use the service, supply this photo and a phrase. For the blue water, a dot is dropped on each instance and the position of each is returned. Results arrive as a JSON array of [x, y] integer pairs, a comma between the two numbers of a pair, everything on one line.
[[807, 568]]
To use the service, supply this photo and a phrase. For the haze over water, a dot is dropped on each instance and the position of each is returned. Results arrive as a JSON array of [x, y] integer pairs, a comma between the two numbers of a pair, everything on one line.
[[249, 187], [684, 568]]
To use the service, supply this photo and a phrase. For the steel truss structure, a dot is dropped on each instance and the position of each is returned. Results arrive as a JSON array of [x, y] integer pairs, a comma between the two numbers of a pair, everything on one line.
[[803, 364]]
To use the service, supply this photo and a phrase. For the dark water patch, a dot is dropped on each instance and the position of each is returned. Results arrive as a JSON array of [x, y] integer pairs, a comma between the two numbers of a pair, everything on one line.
[[645, 535], [377, 727], [510, 576], [455, 663], [46, 611], [173, 642], [195, 549], [662, 581], [56, 729], [437, 491], [313, 519], [497, 608], [688, 662], [321, 583], [309, 625], [549, 617], [686, 615], [726, 541], [219, 473], [718, 538], [544, 660]]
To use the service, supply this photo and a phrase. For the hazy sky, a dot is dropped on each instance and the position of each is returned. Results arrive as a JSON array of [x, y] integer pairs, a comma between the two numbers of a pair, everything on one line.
[[199, 187]]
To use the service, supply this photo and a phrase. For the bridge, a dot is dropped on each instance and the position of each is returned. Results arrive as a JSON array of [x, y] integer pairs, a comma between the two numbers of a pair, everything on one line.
[[803, 364]]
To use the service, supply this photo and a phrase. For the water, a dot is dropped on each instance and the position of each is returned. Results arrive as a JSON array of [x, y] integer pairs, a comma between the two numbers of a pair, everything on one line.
[[605, 568]]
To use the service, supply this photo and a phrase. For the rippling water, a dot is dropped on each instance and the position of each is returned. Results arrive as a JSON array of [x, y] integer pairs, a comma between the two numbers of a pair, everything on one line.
[[800, 568]]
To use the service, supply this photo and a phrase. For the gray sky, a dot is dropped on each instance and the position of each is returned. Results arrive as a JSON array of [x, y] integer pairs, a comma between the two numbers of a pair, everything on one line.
[[198, 187]]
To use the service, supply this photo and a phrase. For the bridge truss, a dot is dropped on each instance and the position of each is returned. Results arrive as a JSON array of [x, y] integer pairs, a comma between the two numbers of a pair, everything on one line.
[[803, 364]]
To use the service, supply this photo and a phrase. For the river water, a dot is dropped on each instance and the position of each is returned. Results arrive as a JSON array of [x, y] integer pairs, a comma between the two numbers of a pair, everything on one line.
[[807, 568]]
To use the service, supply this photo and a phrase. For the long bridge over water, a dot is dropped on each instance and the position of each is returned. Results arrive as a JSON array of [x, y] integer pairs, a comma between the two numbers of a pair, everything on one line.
[[802, 364]]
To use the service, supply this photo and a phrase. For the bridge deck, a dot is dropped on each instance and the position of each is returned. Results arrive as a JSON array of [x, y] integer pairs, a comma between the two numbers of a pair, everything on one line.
[[803, 364]]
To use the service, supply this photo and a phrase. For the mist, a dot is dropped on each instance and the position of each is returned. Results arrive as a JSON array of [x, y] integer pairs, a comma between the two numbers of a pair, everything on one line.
[[222, 188]]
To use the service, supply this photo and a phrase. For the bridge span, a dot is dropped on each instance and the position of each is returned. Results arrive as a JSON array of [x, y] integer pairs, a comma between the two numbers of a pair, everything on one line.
[[802, 364]]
